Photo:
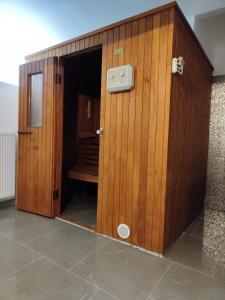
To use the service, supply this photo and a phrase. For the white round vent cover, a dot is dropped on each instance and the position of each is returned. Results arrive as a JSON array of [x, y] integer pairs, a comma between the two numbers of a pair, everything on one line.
[[123, 231]]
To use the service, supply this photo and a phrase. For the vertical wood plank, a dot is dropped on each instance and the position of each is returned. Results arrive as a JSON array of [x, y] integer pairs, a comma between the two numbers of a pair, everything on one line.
[[143, 204], [106, 138], [152, 131], [140, 182], [188, 135], [131, 128], [160, 178], [137, 131], [102, 151], [113, 41], [125, 127], [119, 206], [86, 42]]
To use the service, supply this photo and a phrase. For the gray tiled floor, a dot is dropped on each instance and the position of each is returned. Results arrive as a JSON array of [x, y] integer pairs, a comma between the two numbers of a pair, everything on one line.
[[82, 209], [45, 259]]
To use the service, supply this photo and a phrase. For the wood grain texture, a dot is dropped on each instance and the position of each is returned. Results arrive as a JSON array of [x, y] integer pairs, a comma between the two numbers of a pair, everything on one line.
[[153, 153], [98, 34], [58, 135], [134, 132], [36, 161], [102, 148], [188, 135]]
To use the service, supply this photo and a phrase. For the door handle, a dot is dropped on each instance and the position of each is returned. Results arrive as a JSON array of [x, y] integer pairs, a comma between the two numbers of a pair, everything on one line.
[[24, 132], [100, 131]]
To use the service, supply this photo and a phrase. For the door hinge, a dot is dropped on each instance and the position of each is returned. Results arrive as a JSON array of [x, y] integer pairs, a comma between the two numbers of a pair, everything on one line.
[[55, 194], [58, 78]]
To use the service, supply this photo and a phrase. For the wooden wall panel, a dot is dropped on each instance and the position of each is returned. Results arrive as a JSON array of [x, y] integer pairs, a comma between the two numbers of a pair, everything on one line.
[[119, 207], [140, 182], [125, 206], [111, 100], [102, 144], [132, 123], [69, 47], [188, 134], [36, 165], [130, 171], [58, 94]]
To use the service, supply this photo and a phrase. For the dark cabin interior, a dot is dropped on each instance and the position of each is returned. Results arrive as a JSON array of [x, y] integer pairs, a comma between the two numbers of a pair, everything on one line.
[[82, 90]]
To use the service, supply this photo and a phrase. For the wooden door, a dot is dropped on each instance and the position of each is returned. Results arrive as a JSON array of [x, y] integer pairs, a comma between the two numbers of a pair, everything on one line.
[[40, 131]]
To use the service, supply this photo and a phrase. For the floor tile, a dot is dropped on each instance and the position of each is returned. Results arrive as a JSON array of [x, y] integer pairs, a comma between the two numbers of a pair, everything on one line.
[[7, 203], [13, 256], [219, 272], [122, 271], [198, 231], [82, 208], [68, 245], [86, 217], [188, 251], [24, 227], [192, 227], [101, 295], [181, 283], [113, 270], [10, 213], [43, 280]]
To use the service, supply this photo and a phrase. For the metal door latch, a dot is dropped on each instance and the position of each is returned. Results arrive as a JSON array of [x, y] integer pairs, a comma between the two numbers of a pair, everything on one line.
[[100, 131]]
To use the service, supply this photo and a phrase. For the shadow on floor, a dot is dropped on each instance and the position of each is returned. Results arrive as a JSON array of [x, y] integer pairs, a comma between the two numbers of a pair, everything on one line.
[[82, 208], [48, 259]]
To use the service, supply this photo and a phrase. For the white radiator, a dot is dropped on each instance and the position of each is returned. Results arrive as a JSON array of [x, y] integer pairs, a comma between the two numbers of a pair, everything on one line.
[[7, 165]]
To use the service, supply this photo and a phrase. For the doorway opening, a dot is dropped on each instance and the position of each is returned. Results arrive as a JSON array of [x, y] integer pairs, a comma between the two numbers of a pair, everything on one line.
[[82, 91]]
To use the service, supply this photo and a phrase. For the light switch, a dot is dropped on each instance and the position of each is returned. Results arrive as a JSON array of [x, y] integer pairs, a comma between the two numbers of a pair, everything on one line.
[[120, 78]]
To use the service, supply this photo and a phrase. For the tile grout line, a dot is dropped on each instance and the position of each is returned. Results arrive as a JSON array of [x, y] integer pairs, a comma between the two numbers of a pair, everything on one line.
[[58, 265], [209, 275], [110, 238], [196, 271], [171, 262], [35, 251], [41, 235], [24, 243], [44, 234], [160, 279], [87, 256], [5, 277], [79, 261], [76, 275]]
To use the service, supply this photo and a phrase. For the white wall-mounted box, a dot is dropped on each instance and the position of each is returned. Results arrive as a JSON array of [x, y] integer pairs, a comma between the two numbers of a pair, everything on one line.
[[120, 78]]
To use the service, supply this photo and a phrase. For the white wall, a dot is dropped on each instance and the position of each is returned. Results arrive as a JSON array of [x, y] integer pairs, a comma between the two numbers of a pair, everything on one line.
[[27, 26], [211, 33], [21, 32], [8, 108]]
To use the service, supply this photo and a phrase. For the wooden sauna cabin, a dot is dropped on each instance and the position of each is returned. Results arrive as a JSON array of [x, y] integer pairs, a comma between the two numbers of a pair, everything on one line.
[[146, 167]]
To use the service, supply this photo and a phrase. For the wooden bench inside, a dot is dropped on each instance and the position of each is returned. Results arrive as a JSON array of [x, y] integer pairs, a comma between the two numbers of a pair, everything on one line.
[[86, 166]]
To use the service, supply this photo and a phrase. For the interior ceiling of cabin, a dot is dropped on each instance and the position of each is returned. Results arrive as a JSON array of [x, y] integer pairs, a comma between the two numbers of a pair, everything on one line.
[[27, 26]]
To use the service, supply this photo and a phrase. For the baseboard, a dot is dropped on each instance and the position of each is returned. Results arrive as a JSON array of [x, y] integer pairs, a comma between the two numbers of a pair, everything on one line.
[[7, 203]]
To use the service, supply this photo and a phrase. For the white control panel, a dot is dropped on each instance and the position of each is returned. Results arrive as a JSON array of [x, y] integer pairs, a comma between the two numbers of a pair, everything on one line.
[[120, 78]]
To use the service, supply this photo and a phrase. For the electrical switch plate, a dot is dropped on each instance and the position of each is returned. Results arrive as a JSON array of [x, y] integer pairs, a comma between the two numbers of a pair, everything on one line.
[[120, 78]]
